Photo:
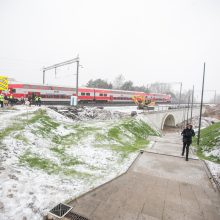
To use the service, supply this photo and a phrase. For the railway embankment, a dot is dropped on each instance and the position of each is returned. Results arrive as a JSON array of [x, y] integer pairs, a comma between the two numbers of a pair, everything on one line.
[[47, 157]]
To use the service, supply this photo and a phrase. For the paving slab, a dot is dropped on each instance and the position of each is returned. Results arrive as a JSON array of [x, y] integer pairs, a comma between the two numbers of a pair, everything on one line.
[[157, 186]]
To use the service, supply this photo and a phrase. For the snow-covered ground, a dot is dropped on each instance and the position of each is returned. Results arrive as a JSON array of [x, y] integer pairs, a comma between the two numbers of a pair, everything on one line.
[[46, 162], [30, 186], [129, 109], [205, 122], [215, 170]]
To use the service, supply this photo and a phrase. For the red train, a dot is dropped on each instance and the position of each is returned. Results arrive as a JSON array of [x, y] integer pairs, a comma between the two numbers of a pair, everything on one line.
[[61, 94]]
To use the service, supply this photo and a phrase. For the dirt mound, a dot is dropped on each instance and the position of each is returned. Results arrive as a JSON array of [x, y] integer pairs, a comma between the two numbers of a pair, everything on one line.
[[86, 113], [213, 111]]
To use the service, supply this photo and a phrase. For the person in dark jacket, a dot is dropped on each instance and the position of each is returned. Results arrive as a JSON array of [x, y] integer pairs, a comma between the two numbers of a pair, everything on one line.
[[187, 134]]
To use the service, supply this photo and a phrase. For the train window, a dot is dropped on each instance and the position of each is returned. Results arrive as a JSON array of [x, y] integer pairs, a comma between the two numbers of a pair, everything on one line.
[[100, 94], [25, 86], [105, 94], [82, 93], [88, 94]]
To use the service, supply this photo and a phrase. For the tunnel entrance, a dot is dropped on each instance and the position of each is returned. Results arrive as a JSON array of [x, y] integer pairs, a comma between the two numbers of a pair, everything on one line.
[[169, 123]]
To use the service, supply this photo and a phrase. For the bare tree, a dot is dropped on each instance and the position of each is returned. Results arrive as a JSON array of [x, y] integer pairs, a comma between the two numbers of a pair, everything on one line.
[[128, 85], [118, 82], [158, 87]]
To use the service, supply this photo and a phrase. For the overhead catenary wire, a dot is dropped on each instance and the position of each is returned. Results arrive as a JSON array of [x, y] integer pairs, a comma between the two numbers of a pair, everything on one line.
[[68, 62]]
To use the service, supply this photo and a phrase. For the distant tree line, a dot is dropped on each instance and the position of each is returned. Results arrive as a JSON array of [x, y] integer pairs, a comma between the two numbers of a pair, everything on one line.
[[121, 84]]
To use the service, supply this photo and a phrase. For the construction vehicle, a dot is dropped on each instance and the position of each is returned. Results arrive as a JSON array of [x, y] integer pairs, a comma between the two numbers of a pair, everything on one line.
[[143, 102]]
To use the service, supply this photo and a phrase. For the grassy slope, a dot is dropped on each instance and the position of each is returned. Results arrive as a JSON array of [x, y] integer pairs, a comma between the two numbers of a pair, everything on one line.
[[123, 137], [130, 135], [210, 137]]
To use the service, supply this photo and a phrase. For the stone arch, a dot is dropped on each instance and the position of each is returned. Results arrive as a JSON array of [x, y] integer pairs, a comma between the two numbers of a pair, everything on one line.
[[168, 121]]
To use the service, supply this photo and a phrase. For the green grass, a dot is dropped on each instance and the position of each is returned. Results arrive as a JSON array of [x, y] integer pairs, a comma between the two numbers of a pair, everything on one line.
[[114, 133], [210, 138], [138, 128], [65, 159], [68, 161], [79, 132], [21, 137], [58, 150], [10, 129], [126, 137], [35, 161], [46, 124]]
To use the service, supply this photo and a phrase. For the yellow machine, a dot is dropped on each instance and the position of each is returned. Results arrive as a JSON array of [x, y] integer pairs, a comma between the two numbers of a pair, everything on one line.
[[142, 102]]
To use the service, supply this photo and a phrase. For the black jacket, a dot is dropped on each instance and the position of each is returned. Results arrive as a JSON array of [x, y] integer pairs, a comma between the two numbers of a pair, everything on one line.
[[187, 135]]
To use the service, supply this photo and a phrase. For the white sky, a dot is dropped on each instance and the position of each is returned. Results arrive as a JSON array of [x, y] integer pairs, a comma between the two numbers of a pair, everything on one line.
[[145, 40]]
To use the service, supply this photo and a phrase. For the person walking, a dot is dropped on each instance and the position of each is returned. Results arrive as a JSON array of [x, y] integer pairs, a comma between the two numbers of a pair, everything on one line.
[[187, 134]]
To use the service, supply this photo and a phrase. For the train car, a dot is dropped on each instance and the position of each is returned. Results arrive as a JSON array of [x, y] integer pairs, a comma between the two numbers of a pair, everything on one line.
[[94, 95], [47, 92], [61, 94], [125, 96], [86, 95], [158, 97]]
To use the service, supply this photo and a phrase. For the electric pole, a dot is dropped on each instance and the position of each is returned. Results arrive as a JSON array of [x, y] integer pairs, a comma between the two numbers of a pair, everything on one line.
[[200, 116], [192, 104], [77, 76], [187, 117], [180, 94]]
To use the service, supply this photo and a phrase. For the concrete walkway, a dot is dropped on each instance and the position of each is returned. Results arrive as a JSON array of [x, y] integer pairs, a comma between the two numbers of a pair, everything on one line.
[[157, 186]]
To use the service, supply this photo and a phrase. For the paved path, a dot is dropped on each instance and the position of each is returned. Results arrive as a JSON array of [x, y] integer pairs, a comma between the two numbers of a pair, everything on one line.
[[157, 186]]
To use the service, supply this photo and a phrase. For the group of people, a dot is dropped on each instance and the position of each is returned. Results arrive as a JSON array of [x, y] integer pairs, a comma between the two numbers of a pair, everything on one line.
[[34, 100], [6, 100], [10, 100]]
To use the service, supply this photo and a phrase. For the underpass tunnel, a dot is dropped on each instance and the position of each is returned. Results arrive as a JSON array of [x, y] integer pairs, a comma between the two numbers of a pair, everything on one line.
[[169, 122]]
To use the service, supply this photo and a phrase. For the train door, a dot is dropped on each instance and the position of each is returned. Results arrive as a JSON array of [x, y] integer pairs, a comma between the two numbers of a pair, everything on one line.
[[111, 98], [94, 95]]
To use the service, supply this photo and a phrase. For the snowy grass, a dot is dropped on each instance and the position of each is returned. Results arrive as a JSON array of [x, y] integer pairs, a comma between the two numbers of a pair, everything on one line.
[[20, 124], [123, 137], [34, 161], [128, 136], [59, 159], [209, 148]]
